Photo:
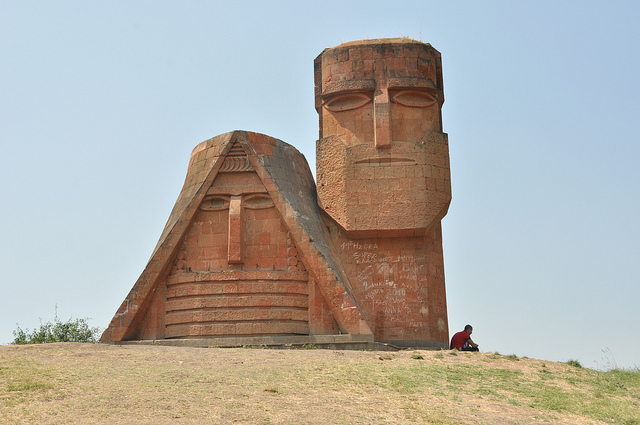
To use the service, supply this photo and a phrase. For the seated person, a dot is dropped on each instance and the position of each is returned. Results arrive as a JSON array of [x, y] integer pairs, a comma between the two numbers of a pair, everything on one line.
[[462, 341]]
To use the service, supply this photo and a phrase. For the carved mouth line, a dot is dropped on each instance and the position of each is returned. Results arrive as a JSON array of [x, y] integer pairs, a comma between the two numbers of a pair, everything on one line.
[[387, 161]]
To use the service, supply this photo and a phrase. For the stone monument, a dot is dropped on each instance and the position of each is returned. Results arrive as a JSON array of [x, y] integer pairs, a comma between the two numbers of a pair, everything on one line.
[[255, 251]]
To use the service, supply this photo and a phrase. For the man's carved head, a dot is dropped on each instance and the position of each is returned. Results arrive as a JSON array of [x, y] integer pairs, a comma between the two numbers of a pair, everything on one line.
[[381, 154], [379, 91]]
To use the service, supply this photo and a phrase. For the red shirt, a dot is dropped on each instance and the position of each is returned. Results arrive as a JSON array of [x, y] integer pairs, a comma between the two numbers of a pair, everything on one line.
[[459, 339]]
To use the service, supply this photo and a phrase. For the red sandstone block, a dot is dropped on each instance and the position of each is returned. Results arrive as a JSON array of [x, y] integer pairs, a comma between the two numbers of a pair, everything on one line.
[[364, 173], [203, 241], [410, 50], [268, 263], [197, 265], [218, 252], [223, 329], [264, 149], [372, 185], [342, 55], [269, 251], [281, 263], [219, 264], [396, 63], [251, 250], [219, 228], [441, 185], [367, 222], [255, 138], [231, 288], [244, 329], [209, 252], [431, 184], [264, 238], [191, 240], [366, 52], [333, 72], [261, 328], [345, 67], [276, 228], [265, 301], [259, 214], [441, 173]]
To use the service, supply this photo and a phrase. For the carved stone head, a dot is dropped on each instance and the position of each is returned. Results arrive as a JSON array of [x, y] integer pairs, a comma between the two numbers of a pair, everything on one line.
[[382, 159]]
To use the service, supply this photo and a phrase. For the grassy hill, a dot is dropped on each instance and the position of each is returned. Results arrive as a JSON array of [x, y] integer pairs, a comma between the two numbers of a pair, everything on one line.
[[96, 383]]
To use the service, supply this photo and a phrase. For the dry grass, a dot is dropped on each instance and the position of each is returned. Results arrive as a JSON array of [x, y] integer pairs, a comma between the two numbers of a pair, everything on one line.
[[94, 383]]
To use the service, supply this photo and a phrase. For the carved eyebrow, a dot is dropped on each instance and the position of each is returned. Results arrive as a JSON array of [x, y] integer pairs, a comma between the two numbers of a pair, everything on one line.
[[347, 86], [411, 82]]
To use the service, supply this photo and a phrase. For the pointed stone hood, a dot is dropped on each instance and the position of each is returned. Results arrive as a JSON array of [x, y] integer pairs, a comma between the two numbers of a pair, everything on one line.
[[275, 162]]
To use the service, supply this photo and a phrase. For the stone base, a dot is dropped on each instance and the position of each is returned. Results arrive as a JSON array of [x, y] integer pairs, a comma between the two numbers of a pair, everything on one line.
[[418, 344], [330, 342]]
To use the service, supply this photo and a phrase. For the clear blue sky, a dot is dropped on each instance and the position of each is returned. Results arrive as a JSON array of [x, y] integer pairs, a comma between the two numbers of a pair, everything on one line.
[[102, 102]]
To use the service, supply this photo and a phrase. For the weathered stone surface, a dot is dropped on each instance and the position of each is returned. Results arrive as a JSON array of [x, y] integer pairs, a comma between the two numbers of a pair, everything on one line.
[[383, 180], [254, 248]]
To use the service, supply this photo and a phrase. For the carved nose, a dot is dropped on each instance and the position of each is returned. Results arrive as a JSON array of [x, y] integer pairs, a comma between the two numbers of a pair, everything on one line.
[[236, 225], [382, 119]]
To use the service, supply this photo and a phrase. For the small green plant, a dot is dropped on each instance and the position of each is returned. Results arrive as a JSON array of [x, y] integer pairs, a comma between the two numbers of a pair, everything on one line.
[[512, 357], [73, 330], [417, 356], [574, 363]]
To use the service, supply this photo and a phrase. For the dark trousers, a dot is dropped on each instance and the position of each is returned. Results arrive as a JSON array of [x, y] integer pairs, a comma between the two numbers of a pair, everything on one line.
[[469, 349]]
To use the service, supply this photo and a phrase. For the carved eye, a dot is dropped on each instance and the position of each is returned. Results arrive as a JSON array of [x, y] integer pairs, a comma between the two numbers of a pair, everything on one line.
[[414, 98], [346, 102], [258, 201], [215, 203]]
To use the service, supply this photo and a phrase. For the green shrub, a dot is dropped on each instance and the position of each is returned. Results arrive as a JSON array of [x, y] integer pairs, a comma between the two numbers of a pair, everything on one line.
[[73, 330], [574, 363]]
